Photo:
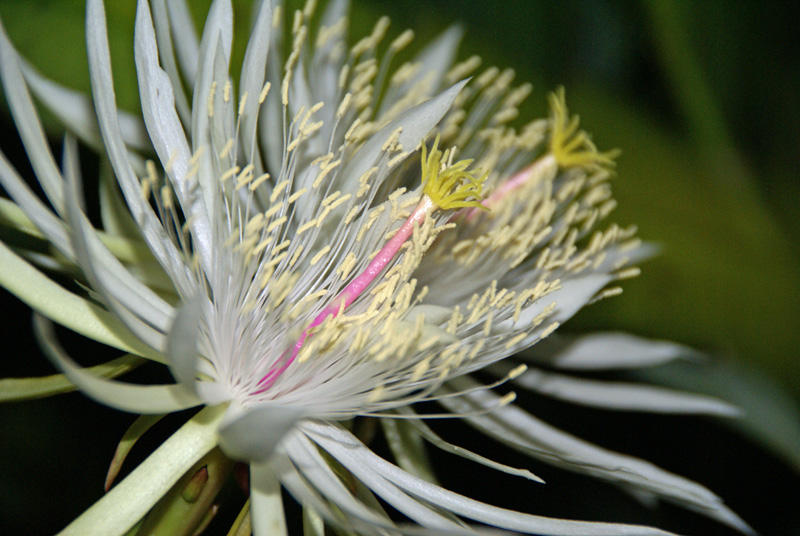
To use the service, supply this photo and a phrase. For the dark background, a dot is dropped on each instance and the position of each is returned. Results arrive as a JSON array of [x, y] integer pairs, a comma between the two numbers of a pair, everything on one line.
[[702, 99]]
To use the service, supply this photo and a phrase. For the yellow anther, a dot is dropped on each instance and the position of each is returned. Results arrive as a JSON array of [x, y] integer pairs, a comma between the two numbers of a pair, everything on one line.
[[570, 146], [450, 185]]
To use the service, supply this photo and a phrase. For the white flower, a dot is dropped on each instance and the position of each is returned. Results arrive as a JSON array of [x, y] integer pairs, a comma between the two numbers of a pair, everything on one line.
[[344, 239]]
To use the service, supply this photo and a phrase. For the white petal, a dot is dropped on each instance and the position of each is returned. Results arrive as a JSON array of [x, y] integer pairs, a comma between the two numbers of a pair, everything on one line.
[[362, 462], [123, 294], [76, 112], [604, 351], [42, 217], [415, 123], [166, 51], [181, 341], [254, 67], [569, 299], [618, 395], [217, 33], [166, 131], [28, 125], [186, 44], [251, 434], [352, 454], [150, 399], [434, 61], [105, 106], [524, 432], [316, 470]]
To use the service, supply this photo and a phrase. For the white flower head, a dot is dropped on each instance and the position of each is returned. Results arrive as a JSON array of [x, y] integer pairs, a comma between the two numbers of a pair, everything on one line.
[[332, 236]]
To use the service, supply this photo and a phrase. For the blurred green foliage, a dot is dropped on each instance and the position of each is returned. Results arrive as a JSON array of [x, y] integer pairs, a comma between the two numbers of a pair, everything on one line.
[[701, 97]]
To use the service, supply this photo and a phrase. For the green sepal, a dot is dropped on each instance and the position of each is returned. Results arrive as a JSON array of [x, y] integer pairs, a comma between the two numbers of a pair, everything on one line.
[[17, 389]]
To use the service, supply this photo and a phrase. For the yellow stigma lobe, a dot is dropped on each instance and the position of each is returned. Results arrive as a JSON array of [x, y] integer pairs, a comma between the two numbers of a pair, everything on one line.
[[570, 146], [450, 185]]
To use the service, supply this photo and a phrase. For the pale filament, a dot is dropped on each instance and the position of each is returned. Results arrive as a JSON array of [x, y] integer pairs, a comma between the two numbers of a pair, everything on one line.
[[354, 289]]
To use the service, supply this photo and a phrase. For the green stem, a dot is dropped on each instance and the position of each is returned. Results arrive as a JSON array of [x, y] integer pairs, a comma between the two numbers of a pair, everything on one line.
[[186, 506], [131, 499]]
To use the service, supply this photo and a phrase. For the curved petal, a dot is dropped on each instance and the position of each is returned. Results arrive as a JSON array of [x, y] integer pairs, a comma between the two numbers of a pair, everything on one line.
[[617, 395], [523, 432], [254, 67], [605, 351], [75, 111], [161, 21], [415, 123], [105, 106], [28, 125], [434, 61], [119, 395], [109, 276], [166, 131], [360, 460], [181, 350], [16, 389]]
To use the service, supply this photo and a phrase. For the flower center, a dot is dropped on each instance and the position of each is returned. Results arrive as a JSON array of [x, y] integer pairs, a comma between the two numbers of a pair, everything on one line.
[[446, 186]]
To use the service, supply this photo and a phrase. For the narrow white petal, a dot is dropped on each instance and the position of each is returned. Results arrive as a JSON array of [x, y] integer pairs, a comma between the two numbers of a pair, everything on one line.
[[123, 294], [364, 463], [114, 215], [254, 69], [618, 395], [216, 33], [605, 351], [352, 455], [434, 61], [524, 432], [42, 217], [415, 123], [186, 44], [128, 501], [28, 125], [166, 131], [316, 470], [569, 299], [149, 399], [181, 341], [161, 21], [76, 111], [105, 106], [92, 254]]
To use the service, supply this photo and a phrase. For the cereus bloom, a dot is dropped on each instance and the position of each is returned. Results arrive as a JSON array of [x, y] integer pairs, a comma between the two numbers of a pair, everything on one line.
[[326, 238]]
